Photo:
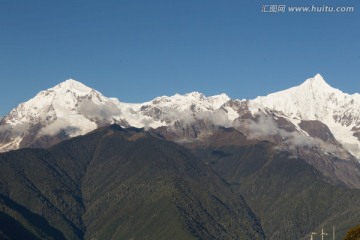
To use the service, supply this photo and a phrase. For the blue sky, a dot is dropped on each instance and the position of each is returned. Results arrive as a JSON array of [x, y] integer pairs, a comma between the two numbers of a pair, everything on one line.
[[136, 50]]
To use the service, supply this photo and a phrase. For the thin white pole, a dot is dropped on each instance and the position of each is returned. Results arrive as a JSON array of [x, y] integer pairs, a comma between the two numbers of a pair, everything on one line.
[[311, 235], [322, 234]]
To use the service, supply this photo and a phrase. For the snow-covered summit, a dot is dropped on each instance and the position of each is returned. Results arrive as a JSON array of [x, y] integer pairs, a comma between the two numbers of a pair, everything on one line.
[[285, 118], [72, 85], [59, 101], [316, 100], [191, 100], [318, 87], [316, 82], [72, 108], [313, 99]]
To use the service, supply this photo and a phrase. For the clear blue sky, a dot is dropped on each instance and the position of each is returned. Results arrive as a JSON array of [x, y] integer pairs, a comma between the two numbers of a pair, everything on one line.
[[136, 50]]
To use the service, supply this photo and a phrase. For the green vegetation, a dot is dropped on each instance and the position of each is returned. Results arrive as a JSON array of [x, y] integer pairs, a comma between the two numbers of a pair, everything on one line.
[[353, 233], [118, 184], [127, 184], [290, 196]]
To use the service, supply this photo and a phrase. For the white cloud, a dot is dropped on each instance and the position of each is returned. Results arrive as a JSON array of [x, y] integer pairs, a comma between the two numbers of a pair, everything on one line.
[[353, 148], [58, 125], [218, 118], [106, 110], [266, 127]]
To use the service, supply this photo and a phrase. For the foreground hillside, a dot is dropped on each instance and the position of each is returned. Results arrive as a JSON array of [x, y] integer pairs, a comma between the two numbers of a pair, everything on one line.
[[118, 184], [290, 196]]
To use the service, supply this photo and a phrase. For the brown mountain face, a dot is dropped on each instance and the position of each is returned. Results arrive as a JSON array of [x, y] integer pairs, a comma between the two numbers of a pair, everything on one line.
[[320, 149], [317, 129], [357, 134], [342, 169]]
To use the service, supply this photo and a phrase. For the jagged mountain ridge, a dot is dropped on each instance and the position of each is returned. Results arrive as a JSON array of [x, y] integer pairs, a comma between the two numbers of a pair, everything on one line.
[[71, 108]]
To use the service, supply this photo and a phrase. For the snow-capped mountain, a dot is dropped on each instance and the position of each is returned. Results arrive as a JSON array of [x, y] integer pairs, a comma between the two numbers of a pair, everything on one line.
[[316, 100], [294, 115], [71, 108], [313, 121]]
